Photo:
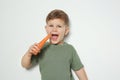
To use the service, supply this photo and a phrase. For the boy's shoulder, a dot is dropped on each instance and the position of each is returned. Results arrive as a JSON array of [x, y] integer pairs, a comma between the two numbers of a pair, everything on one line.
[[69, 45]]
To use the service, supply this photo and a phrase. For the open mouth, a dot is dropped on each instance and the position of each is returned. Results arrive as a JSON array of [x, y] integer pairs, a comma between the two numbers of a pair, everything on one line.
[[54, 37]]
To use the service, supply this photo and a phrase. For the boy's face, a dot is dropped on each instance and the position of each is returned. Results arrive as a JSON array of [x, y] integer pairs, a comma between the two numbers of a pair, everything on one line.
[[58, 30]]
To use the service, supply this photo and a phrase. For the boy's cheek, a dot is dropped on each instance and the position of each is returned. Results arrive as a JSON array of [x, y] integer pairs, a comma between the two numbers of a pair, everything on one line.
[[48, 31]]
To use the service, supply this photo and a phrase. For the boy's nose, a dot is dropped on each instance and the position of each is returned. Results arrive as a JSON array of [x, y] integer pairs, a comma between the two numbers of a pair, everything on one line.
[[54, 29]]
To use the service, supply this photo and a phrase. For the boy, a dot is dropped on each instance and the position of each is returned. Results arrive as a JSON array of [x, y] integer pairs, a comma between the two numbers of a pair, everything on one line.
[[56, 58]]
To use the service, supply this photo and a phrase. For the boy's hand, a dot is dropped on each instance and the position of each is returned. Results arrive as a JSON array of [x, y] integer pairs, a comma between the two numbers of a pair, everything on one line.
[[34, 49]]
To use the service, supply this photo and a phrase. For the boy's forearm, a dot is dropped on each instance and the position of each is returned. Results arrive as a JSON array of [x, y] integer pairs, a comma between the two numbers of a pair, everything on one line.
[[26, 60]]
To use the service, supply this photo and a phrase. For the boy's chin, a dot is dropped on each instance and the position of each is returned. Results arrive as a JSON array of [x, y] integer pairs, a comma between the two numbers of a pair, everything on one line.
[[56, 42]]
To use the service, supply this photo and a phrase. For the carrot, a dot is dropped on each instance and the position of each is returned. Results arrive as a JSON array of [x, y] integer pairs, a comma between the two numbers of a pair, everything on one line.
[[42, 42]]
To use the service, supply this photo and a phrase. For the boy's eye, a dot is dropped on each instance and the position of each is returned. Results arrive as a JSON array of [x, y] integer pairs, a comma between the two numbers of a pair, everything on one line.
[[59, 26], [50, 25]]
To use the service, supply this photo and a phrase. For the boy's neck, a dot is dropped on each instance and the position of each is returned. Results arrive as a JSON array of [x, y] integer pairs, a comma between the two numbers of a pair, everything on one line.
[[60, 43]]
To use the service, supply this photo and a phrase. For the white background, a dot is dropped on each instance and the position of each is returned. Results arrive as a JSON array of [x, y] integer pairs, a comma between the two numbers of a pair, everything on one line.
[[95, 33]]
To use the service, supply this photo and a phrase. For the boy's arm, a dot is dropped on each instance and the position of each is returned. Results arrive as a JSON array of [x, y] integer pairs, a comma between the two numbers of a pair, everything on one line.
[[26, 59], [81, 74]]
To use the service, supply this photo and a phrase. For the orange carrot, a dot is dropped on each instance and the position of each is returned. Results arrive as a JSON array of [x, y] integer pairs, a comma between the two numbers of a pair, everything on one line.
[[42, 42]]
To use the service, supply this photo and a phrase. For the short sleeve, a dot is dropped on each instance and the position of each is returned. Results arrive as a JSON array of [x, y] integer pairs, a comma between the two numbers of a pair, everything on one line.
[[34, 60], [76, 63]]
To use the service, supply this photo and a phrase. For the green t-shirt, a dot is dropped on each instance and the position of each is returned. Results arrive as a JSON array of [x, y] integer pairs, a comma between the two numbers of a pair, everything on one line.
[[56, 61]]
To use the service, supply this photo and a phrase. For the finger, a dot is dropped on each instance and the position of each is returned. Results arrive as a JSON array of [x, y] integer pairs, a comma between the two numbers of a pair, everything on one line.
[[33, 51], [36, 47]]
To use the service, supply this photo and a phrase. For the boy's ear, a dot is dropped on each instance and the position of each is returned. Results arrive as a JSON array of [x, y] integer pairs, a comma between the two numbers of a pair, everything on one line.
[[46, 27], [67, 31]]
